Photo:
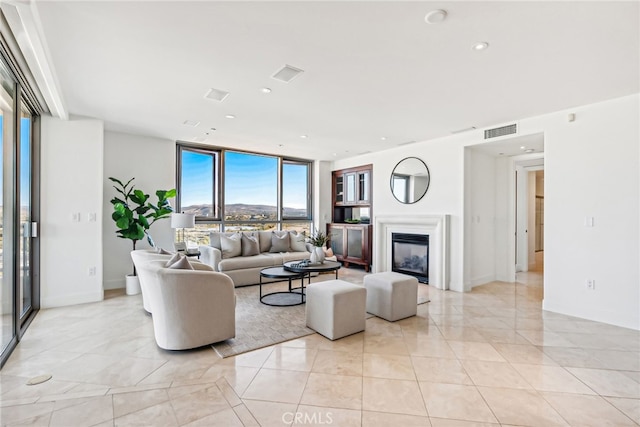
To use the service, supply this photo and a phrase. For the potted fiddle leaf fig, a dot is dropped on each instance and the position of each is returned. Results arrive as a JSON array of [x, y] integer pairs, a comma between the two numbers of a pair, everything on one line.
[[134, 213]]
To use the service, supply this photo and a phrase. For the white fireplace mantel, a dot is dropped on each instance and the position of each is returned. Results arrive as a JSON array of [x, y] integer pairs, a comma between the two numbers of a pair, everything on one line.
[[435, 226]]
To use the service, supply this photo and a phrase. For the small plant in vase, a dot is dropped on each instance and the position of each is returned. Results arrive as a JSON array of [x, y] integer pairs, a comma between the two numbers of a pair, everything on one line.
[[318, 240]]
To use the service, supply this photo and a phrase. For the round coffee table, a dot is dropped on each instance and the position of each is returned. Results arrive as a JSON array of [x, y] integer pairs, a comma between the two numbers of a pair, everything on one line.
[[283, 298], [325, 267]]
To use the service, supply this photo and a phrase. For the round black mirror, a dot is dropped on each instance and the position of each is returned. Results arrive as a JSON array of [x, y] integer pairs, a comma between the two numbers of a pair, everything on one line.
[[410, 180]]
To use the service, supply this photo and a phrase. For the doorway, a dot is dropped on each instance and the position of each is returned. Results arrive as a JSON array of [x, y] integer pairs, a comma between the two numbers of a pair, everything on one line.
[[496, 210], [529, 237]]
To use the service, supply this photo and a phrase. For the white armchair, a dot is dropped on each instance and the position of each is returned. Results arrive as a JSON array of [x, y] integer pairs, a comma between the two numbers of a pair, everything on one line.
[[140, 259], [191, 308]]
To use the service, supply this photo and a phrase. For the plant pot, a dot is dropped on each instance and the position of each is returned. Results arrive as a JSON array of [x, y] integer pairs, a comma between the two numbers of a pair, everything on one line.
[[133, 285]]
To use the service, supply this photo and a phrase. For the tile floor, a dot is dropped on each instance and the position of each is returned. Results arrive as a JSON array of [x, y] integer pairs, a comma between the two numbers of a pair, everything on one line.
[[486, 358]]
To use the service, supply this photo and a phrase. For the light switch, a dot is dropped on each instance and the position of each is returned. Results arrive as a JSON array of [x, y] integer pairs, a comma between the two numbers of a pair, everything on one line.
[[76, 217], [589, 221], [92, 217]]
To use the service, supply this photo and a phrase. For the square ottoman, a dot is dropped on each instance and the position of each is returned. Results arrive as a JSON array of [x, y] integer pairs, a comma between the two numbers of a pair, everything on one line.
[[391, 296], [336, 308]]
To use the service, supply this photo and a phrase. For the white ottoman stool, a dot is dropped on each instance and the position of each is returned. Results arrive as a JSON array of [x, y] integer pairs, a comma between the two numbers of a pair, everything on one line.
[[336, 308], [392, 296]]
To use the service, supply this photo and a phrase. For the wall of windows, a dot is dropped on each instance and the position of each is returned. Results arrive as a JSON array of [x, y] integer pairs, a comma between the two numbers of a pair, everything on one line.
[[232, 190]]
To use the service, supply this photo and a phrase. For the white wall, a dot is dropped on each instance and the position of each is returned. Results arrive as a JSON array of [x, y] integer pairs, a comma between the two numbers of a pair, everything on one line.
[[444, 158], [321, 195], [152, 162], [71, 184], [480, 215], [591, 169]]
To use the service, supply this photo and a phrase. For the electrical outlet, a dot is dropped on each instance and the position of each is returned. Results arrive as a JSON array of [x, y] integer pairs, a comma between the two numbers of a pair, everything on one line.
[[591, 284], [92, 271]]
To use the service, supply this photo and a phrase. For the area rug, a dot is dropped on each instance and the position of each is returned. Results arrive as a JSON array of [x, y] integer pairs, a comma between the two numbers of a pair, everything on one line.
[[259, 325]]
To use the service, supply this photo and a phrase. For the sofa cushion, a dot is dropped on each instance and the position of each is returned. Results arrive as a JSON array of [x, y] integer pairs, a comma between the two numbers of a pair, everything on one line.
[[265, 240], [279, 243], [231, 246], [182, 264], [240, 263], [250, 244], [297, 242]]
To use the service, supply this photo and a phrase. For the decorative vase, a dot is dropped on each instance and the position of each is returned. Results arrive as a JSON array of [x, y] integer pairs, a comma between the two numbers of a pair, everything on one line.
[[133, 285], [319, 251]]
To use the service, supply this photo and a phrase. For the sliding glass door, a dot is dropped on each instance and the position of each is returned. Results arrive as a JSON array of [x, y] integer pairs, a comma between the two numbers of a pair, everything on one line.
[[24, 211], [19, 288], [7, 97]]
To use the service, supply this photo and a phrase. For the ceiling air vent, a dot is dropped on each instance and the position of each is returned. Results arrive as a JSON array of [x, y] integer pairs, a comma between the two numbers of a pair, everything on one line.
[[287, 73], [216, 94], [501, 131]]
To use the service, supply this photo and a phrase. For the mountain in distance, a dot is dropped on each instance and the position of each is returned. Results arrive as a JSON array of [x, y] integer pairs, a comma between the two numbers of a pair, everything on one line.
[[245, 210]]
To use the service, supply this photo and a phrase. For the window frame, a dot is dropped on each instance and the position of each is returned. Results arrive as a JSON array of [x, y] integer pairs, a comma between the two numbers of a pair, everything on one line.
[[216, 176], [219, 186]]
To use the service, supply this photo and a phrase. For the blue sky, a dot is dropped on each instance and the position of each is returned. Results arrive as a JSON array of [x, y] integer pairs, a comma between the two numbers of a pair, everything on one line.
[[249, 178], [25, 170]]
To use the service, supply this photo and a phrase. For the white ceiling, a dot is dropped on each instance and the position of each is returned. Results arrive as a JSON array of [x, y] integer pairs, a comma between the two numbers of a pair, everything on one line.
[[371, 69]]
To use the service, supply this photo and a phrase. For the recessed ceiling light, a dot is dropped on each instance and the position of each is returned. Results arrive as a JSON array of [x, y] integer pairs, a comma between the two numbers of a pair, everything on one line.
[[230, 116], [481, 46], [435, 16], [280, 145], [529, 150], [303, 136], [523, 148], [265, 90], [500, 154], [384, 138], [191, 123]]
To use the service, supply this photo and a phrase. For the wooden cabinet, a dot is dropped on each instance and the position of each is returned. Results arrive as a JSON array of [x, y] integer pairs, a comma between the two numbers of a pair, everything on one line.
[[352, 187], [351, 243]]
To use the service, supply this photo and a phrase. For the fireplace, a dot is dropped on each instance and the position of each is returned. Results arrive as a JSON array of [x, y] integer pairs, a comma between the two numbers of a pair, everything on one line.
[[410, 255], [434, 226]]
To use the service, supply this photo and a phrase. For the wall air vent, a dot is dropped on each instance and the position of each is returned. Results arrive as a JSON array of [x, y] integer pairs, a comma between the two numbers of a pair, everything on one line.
[[501, 131]]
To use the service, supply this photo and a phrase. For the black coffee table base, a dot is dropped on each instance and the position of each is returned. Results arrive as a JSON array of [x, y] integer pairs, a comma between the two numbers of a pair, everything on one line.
[[283, 299], [295, 296]]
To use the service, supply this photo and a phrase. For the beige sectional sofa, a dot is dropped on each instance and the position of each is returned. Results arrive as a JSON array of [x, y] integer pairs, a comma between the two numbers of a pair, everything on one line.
[[241, 255]]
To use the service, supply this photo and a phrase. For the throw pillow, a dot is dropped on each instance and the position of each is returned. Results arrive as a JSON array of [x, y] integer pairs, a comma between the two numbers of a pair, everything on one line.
[[163, 252], [182, 264], [214, 239], [250, 245], [231, 245], [279, 243], [175, 258], [328, 252], [298, 242]]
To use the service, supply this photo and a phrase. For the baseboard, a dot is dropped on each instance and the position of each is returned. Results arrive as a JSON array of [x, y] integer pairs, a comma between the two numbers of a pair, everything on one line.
[[483, 280], [604, 316], [71, 299], [113, 284]]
